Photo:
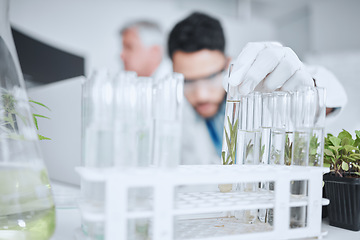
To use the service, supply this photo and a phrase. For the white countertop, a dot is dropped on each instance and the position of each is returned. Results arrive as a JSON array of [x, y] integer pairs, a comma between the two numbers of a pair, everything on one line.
[[68, 220]]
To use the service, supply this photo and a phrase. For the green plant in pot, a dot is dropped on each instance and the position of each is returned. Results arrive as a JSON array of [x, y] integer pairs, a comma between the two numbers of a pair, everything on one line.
[[342, 184]]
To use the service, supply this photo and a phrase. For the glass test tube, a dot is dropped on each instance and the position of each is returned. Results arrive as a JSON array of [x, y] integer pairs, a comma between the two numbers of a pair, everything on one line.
[[98, 134], [289, 126], [278, 128], [316, 148], [250, 132], [125, 151], [229, 154], [168, 101], [304, 116], [265, 147], [143, 120]]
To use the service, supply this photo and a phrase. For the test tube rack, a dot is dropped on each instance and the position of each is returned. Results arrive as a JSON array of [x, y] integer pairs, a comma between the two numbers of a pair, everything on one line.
[[168, 205]]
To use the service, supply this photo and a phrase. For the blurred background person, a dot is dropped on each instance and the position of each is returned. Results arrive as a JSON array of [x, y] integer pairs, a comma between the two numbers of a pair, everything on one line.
[[143, 49]]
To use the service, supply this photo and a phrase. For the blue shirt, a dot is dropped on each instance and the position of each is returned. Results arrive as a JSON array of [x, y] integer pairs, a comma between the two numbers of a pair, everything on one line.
[[215, 127]]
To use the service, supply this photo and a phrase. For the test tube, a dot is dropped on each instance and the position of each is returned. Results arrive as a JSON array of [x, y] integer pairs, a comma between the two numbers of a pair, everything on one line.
[[98, 134], [250, 130], [124, 127], [168, 101], [144, 120], [229, 154], [316, 148], [304, 116], [97, 138], [278, 128]]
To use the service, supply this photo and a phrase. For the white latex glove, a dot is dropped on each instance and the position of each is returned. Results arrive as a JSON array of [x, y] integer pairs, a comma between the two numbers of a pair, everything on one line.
[[265, 67]]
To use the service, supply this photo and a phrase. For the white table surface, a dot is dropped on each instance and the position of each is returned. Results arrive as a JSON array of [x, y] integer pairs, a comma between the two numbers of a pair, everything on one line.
[[68, 220]]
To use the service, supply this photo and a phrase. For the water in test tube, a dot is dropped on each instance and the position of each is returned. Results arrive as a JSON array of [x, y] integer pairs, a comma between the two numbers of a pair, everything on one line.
[[266, 124], [304, 115], [144, 121], [124, 127], [231, 125], [250, 130], [168, 101], [316, 148]]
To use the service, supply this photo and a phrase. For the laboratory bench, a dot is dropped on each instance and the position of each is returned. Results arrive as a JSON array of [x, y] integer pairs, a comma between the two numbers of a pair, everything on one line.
[[68, 220]]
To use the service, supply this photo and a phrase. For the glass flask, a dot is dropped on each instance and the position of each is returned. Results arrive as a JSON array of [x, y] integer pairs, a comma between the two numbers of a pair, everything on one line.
[[26, 205]]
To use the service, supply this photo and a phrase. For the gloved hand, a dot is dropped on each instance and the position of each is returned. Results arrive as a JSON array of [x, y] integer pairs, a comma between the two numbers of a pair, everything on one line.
[[265, 67]]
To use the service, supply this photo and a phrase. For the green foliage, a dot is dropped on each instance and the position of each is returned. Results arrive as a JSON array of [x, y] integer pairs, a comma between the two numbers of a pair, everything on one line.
[[35, 116], [230, 142], [342, 153], [9, 117]]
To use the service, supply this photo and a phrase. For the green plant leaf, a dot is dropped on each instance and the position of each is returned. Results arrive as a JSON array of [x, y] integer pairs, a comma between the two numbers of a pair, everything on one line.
[[40, 116], [350, 148], [345, 166], [344, 134], [223, 157], [227, 140], [230, 125], [40, 104], [36, 122], [335, 141], [329, 153], [357, 132], [357, 173], [345, 141], [43, 138], [357, 142]]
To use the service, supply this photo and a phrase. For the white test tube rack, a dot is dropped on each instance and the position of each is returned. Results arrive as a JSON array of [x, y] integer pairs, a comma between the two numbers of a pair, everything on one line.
[[166, 207]]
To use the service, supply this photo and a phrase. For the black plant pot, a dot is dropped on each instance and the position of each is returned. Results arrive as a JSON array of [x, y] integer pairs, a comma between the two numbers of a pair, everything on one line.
[[344, 195]]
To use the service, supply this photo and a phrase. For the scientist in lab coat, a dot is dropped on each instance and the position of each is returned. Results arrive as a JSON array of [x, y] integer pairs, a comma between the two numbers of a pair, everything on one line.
[[196, 47], [143, 49]]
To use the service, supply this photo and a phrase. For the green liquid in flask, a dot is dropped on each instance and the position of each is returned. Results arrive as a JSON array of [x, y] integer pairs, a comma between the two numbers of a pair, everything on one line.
[[27, 209]]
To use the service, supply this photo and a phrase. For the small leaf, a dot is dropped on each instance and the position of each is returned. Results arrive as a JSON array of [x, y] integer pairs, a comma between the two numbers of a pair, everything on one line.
[[335, 141], [350, 148], [345, 141], [357, 142], [357, 173], [43, 138], [223, 157], [345, 166], [36, 122], [230, 125], [40, 116], [344, 134], [41, 104], [357, 132], [329, 153], [227, 140]]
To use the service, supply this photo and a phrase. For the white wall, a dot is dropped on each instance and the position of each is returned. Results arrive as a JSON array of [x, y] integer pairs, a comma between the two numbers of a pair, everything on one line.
[[90, 27], [335, 25]]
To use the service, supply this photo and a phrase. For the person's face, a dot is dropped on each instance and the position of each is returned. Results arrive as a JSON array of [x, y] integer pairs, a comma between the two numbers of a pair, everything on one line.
[[134, 54], [203, 72]]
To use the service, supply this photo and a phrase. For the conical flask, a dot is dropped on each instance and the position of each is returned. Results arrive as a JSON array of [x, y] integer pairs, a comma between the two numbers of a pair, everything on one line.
[[26, 205]]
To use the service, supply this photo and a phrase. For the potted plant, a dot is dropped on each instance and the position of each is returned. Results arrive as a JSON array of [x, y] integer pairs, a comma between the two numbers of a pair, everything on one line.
[[342, 184]]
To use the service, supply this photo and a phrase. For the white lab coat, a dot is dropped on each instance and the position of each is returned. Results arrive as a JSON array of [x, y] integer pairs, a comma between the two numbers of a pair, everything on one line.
[[197, 145], [163, 69]]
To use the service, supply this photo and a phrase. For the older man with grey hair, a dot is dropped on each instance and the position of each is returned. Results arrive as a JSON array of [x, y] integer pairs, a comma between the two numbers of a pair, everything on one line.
[[143, 49]]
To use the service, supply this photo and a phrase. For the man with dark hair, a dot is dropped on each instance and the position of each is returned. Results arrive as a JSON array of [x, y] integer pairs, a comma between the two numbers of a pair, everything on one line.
[[196, 46]]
